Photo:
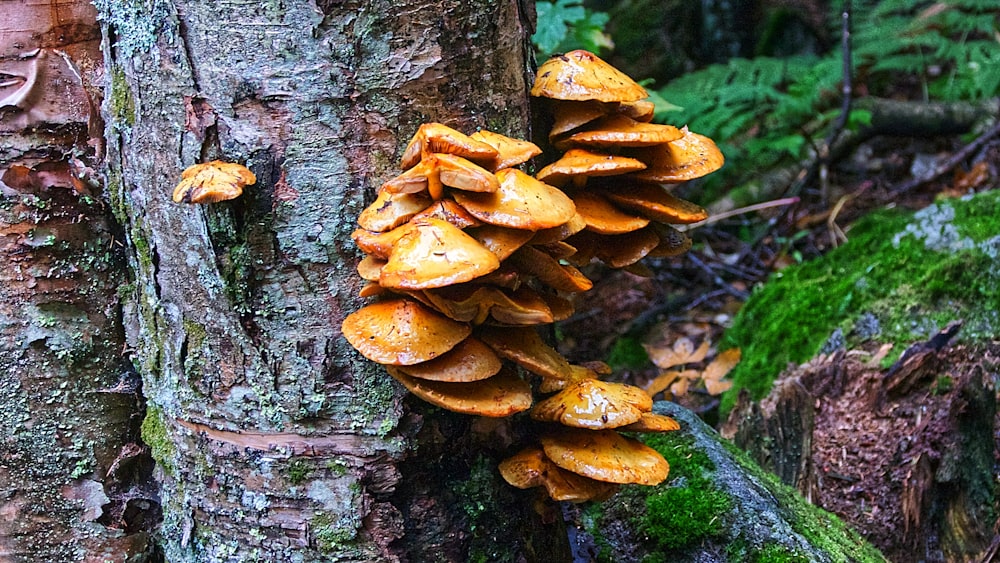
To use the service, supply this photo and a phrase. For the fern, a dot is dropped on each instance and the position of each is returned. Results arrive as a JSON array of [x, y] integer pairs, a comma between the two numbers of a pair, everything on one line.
[[564, 25], [766, 111]]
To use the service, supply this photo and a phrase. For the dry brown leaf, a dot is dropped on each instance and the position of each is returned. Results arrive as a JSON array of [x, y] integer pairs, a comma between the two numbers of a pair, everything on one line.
[[721, 365], [683, 352]]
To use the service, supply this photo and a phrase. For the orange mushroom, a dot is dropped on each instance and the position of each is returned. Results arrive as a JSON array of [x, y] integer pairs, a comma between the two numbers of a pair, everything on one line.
[[577, 165], [619, 130], [654, 202], [603, 217], [436, 170], [510, 152], [594, 404], [581, 75], [434, 253], [503, 394], [470, 360], [401, 332], [692, 156], [390, 210], [522, 202], [211, 182], [652, 422], [530, 468], [439, 138], [605, 455]]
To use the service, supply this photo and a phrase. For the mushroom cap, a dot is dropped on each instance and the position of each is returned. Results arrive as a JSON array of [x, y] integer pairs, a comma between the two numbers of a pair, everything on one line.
[[530, 468], [619, 130], [603, 217], [562, 232], [672, 242], [652, 422], [626, 249], [502, 395], [449, 210], [470, 360], [475, 303], [605, 455], [581, 75], [370, 267], [502, 241], [529, 260], [585, 163], [435, 253], [522, 202], [211, 182], [524, 306], [655, 202], [642, 110], [439, 138], [379, 245], [435, 169], [594, 404], [390, 210], [401, 332], [510, 151], [523, 346], [692, 156], [570, 115]]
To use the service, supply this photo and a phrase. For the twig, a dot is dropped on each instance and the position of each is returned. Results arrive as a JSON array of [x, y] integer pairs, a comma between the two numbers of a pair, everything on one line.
[[748, 209], [950, 163]]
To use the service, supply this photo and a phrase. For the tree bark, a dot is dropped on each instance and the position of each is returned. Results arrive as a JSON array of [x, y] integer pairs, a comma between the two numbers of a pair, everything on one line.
[[73, 478], [274, 440]]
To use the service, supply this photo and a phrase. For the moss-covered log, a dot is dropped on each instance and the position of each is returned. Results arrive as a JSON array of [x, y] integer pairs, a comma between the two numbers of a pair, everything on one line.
[[717, 505]]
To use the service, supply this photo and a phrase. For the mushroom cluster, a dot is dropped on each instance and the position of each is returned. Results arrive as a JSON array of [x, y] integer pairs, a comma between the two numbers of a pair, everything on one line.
[[467, 256], [616, 165]]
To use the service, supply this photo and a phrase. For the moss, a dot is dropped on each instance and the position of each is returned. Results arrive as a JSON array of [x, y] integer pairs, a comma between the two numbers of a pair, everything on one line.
[[627, 353], [331, 536], [691, 508], [911, 273], [820, 528], [154, 434], [121, 100]]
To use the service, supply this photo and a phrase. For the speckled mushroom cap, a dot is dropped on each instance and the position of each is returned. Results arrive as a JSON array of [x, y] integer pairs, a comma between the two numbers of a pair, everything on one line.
[[435, 253], [594, 404], [581, 75], [401, 332], [605, 455], [576, 164], [503, 394], [522, 202]]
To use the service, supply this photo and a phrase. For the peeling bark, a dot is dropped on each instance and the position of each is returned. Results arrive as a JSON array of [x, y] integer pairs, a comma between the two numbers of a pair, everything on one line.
[[274, 439], [71, 470]]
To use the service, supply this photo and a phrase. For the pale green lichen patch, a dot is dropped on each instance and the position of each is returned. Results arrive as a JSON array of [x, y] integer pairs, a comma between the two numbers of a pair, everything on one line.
[[899, 278], [154, 434], [136, 24]]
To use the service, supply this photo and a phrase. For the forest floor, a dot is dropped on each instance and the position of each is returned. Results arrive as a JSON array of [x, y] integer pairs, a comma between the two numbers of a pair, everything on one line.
[[865, 446]]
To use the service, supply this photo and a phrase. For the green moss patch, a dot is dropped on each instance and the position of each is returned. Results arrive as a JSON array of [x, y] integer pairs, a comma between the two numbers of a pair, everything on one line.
[[899, 279]]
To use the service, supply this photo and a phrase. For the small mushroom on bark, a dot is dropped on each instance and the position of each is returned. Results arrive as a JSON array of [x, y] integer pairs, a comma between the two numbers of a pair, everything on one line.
[[530, 468], [211, 182]]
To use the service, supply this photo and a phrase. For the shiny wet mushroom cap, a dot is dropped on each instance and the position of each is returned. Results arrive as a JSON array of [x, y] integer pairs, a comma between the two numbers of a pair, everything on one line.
[[594, 404], [692, 156], [435, 253], [510, 152], [577, 165], [522, 202], [470, 360], [401, 332], [605, 455], [581, 75]]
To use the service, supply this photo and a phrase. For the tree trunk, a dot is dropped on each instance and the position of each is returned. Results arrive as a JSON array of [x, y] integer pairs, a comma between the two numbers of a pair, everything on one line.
[[72, 474], [274, 440]]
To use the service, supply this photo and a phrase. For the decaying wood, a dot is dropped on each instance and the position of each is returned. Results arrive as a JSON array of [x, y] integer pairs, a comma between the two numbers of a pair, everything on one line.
[[920, 456], [74, 481]]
